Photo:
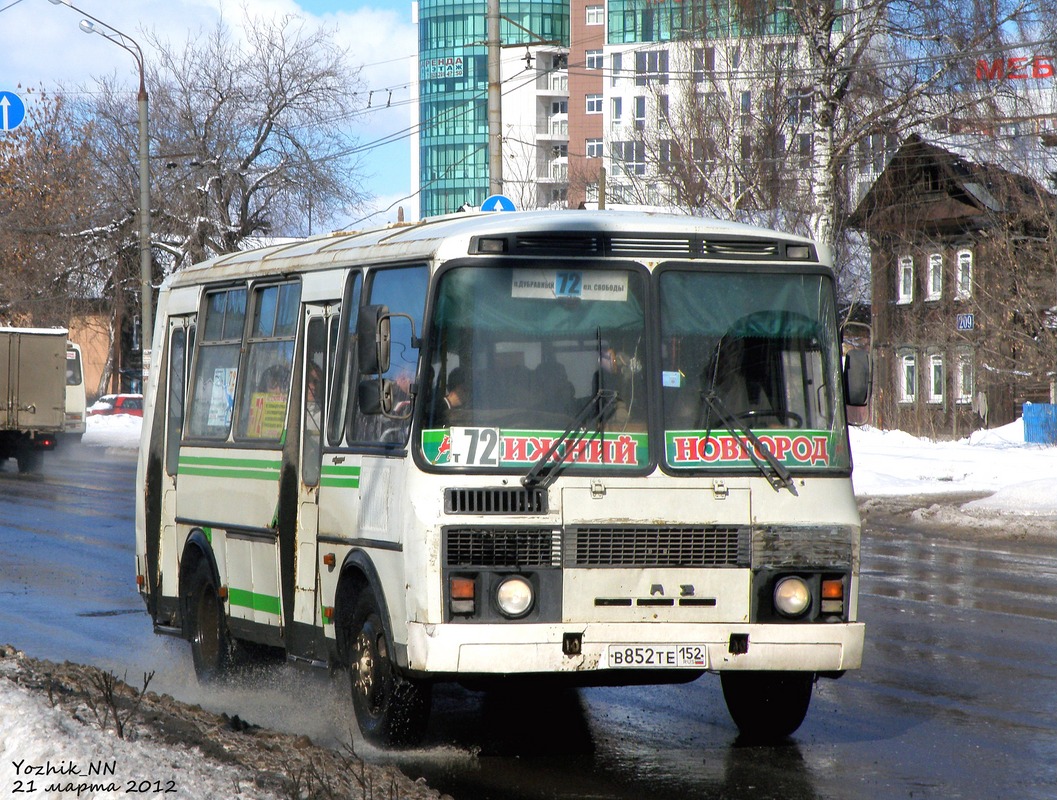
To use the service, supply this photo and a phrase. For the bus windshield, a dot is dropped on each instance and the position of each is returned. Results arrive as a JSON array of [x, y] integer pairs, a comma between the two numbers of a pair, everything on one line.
[[518, 353], [749, 370], [750, 350]]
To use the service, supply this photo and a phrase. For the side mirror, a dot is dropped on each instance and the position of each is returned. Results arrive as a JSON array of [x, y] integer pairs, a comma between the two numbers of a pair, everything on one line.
[[857, 378], [375, 396], [373, 339]]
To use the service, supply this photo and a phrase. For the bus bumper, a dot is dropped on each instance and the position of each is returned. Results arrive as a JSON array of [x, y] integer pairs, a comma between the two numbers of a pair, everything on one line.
[[525, 649]]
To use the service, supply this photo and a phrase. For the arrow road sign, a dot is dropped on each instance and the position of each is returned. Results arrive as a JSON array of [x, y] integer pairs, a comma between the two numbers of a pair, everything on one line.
[[497, 202], [12, 111]]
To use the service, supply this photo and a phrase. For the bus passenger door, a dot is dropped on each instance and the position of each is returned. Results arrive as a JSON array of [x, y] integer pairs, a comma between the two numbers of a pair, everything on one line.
[[180, 342], [321, 327]]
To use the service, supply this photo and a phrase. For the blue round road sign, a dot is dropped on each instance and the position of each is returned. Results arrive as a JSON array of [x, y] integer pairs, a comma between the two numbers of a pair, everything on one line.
[[12, 111], [498, 202]]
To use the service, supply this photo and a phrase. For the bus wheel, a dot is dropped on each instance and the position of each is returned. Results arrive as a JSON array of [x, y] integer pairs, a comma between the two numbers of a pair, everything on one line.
[[29, 461], [391, 709], [767, 706], [212, 648]]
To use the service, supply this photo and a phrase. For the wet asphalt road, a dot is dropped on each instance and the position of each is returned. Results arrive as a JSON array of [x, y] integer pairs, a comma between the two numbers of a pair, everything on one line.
[[957, 697]]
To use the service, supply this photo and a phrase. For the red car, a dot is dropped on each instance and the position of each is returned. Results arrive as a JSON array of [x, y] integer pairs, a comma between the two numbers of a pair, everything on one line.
[[117, 404]]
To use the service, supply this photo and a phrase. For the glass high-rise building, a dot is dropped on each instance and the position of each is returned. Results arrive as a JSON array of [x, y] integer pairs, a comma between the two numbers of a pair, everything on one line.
[[452, 83]]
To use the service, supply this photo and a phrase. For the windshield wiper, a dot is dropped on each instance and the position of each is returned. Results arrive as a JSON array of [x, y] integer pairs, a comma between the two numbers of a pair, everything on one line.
[[777, 475], [545, 471]]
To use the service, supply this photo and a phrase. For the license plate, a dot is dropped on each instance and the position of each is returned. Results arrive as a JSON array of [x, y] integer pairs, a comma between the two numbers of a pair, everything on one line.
[[661, 656]]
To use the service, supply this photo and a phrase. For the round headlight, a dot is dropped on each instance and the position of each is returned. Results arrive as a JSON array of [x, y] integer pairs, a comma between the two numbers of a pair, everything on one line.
[[792, 596], [514, 596]]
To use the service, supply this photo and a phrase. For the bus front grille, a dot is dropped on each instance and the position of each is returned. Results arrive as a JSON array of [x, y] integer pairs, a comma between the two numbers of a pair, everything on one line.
[[497, 500], [502, 547], [658, 546]]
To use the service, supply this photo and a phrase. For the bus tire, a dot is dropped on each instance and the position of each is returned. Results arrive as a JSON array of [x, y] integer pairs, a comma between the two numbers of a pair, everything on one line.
[[212, 647], [391, 709], [767, 706], [29, 461]]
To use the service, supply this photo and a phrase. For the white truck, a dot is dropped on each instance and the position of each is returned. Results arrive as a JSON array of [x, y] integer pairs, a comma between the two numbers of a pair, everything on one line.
[[32, 393]]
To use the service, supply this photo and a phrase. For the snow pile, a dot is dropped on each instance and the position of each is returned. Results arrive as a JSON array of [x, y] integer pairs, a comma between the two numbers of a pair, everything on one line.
[[47, 754], [1017, 477], [116, 431]]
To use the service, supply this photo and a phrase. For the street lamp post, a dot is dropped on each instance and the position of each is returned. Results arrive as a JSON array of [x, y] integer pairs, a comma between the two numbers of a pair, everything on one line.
[[130, 45]]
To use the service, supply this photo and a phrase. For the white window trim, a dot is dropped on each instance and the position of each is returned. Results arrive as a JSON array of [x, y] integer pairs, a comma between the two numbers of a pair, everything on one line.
[[934, 284], [905, 265], [907, 389], [964, 262], [594, 60], [936, 366], [964, 364], [596, 100], [595, 15]]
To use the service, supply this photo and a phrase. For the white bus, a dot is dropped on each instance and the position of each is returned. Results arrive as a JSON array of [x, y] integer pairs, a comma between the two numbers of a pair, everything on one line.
[[76, 402], [596, 447]]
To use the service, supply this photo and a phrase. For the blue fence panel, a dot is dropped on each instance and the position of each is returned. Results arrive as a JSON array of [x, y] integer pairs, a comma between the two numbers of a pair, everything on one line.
[[1040, 423]]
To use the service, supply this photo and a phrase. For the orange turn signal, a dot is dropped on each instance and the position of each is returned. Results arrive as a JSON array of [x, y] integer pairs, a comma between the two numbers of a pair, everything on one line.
[[462, 589], [833, 589]]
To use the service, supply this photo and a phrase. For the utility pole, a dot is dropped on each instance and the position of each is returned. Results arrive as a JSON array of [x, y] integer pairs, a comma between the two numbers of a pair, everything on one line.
[[495, 109]]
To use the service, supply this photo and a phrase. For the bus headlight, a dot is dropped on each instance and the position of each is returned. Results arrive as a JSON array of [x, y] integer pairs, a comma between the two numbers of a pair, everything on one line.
[[514, 596], [792, 596]]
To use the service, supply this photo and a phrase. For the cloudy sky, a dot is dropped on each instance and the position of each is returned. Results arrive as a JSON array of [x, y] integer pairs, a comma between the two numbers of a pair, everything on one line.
[[41, 44]]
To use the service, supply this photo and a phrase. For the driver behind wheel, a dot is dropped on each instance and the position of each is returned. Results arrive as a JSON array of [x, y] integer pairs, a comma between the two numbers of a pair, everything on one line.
[[725, 377]]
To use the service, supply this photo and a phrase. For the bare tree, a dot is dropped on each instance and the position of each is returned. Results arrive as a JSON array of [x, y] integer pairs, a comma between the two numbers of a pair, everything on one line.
[[248, 135], [774, 98], [47, 198], [892, 65]]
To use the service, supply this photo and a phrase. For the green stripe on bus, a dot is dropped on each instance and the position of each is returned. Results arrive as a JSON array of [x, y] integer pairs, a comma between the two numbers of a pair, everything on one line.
[[340, 477], [220, 461], [216, 472], [220, 467], [258, 602]]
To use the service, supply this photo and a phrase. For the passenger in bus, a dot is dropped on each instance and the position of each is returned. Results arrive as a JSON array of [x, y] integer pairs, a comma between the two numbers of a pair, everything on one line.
[[613, 376], [456, 398], [554, 390], [274, 380]]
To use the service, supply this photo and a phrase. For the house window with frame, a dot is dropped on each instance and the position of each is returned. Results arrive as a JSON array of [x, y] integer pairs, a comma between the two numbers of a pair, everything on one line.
[[935, 277], [936, 378], [908, 378], [964, 378], [632, 157], [594, 104], [618, 67], [596, 15], [704, 63], [905, 288], [640, 113], [594, 59], [651, 66], [964, 277], [594, 148]]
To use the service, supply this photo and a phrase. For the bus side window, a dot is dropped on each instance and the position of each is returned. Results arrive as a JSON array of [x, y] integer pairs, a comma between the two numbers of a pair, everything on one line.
[[217, 364], [265, 389], [341, 409], [315, 391], [177, 387], [402, 291]]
